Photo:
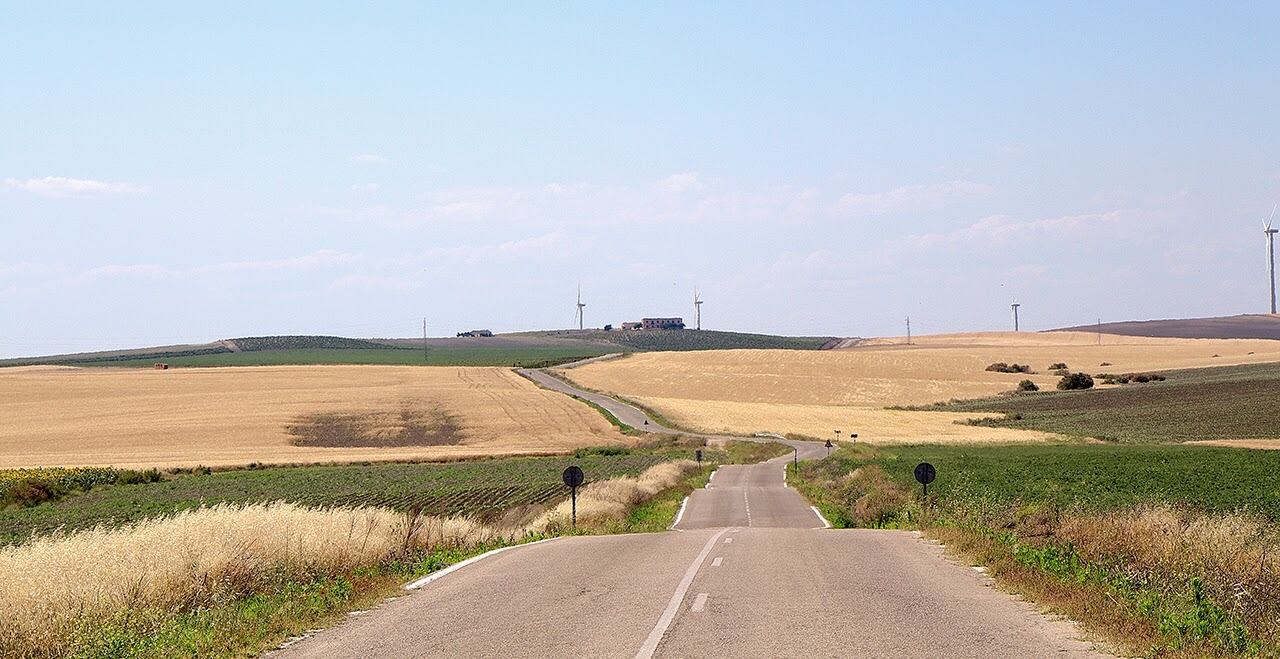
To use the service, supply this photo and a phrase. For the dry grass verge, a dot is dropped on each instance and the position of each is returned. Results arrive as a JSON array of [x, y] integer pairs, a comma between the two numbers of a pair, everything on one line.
[[63, 591]]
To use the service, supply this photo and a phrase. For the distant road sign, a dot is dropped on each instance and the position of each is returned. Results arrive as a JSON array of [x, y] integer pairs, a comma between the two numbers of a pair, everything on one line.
[[573, 476], [925, 473]]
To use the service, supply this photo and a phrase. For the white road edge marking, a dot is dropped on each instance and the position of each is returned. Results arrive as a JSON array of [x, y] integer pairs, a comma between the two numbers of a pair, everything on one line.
[[669, 614], [715, 562], [825, 523], [728, 540], [699, 603], [474, 559], [680, 514]]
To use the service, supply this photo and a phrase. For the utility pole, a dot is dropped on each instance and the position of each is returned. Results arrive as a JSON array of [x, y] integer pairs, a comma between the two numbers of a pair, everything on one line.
[[424, 340], [908, 330], [1099, 331]]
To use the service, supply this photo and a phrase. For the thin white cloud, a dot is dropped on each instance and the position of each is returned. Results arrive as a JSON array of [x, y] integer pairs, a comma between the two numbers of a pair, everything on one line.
[[1002, 230], [369, 159], [62, 186], [365, 187], [682, 182], [910, 198]]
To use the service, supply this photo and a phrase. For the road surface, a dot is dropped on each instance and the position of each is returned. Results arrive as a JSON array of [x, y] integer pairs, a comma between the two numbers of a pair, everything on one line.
[[749, 571]]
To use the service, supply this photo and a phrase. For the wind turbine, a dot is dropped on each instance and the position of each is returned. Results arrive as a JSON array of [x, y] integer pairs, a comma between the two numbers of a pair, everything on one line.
[[1015, 306], [581, 305], [697, 308], [1271, 255]]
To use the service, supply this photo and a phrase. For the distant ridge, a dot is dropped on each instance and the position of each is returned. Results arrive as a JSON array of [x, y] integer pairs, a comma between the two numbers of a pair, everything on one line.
[[1246, 326]]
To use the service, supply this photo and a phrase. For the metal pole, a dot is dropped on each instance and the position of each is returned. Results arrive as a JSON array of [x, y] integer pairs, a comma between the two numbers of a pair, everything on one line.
[[795, 460], [574, 497], [1271, 266]]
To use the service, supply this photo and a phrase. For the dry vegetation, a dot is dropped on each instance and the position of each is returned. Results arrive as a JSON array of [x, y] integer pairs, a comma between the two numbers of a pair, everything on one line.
[[143, 575], [231, 416], [814, 392]]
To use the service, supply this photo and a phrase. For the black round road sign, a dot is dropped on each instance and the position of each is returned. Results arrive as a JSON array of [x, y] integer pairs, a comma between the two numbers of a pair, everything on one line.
[[828, 443], [573, 476], [925, 473]]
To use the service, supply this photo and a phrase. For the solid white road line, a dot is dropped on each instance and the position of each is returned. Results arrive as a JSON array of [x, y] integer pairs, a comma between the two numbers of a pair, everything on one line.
[[700, 603], [715, 562], [669, 614], [825, 523], [680, 514], [458, 566]]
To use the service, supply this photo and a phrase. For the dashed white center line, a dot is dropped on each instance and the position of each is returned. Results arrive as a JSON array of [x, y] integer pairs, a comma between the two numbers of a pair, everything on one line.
[[720, 559], [728, 540], [699, 603], [747, 502]]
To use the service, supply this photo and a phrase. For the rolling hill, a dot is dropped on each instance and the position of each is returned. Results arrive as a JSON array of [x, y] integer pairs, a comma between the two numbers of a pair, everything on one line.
[[1245, 326], [530, 349]]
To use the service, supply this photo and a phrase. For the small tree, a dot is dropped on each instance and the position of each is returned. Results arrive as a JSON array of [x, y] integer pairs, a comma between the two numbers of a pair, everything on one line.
[[1028, 385], [1075, 381], [1057, 366]]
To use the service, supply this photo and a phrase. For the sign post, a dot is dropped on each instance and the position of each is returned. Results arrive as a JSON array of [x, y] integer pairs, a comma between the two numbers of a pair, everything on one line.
[[795, 459], [853, 436], [828, 448], [698, 454], [925, 473], [573, 478]]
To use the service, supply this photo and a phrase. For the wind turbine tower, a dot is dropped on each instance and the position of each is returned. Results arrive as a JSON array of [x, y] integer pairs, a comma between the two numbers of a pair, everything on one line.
[[581, 305], [1271, 256], [697, 309], [1015, 306]]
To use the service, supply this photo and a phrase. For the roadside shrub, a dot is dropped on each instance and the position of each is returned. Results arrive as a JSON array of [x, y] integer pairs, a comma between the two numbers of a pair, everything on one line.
[[30, 492], [133, 477], [1001, 367], [1075, 381], [1056, 366], [1028, 385]]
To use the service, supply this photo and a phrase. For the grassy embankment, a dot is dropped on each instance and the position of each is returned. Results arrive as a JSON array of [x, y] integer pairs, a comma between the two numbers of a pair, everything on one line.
[[186, 578], [1167, 550]]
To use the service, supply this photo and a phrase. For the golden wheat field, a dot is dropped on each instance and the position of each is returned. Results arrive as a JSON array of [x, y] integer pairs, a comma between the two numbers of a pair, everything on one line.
[[282, 414], [815, 392]]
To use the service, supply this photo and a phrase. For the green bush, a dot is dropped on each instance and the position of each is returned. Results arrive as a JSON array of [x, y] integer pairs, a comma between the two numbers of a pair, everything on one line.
[[1058, 366], [1074, 381], [1028, 385], [1001, 367]]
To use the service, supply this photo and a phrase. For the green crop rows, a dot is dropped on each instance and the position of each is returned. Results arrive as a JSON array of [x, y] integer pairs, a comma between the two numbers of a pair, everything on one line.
[[1091, 477], [481, 489]]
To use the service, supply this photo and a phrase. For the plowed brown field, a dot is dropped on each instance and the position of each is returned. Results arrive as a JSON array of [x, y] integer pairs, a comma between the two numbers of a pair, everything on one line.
[[234, 416], [816, 392]]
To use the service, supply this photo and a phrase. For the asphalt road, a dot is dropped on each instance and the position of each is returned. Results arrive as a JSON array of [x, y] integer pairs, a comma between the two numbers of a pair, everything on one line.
[[749, 571]]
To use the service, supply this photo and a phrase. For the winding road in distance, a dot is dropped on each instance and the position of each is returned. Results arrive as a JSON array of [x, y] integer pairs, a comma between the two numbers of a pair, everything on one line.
[[748, 571]]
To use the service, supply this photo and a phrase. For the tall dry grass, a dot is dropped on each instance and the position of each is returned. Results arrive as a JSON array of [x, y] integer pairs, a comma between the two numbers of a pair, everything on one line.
[[1236, 556], [57, 588], [612, 499]]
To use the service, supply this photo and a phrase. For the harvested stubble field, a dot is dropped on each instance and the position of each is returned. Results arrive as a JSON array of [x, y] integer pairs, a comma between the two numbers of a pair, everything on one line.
[[814, 392], [55, 416]]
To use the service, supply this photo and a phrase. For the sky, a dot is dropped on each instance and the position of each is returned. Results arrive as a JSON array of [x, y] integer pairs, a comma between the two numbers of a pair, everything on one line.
[[180, 172]]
